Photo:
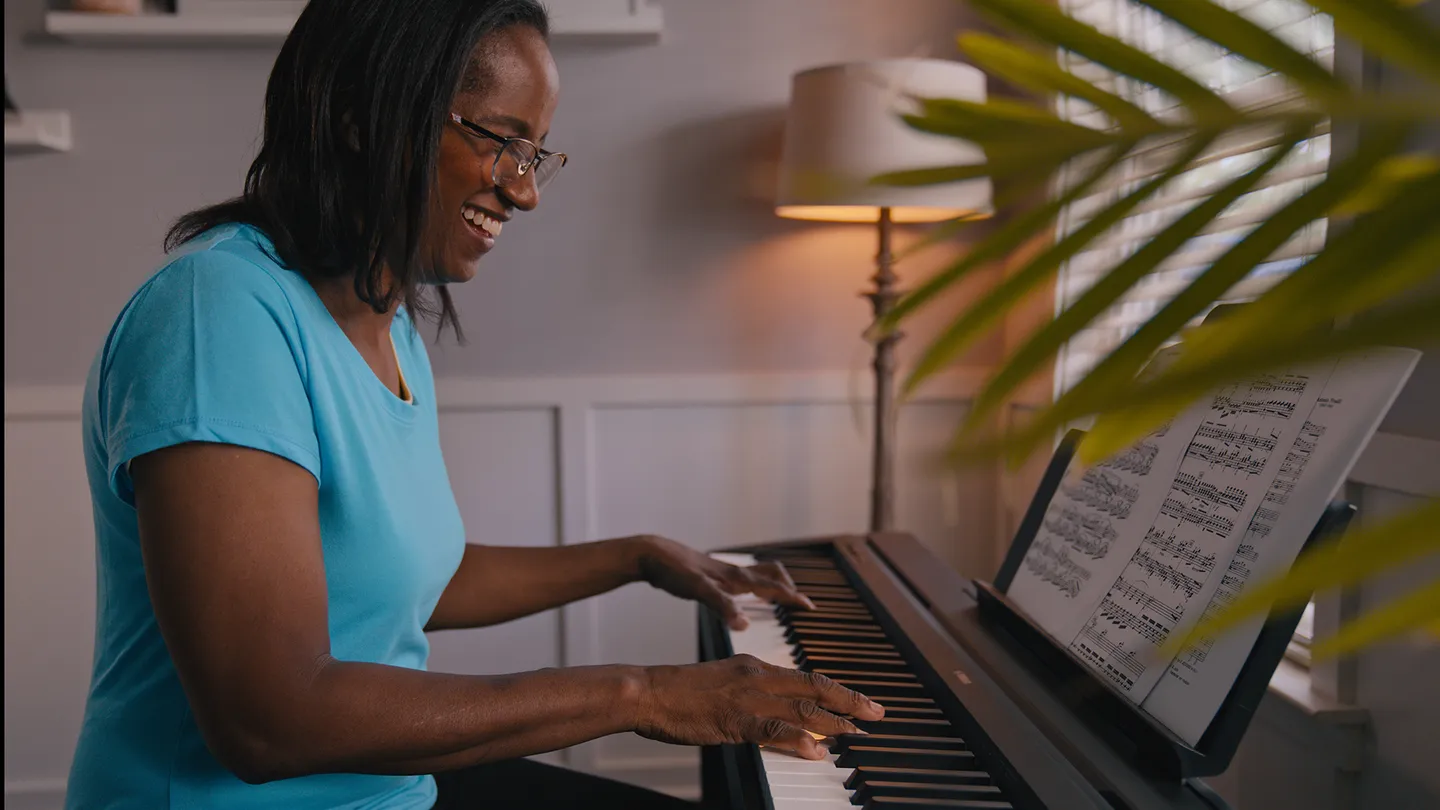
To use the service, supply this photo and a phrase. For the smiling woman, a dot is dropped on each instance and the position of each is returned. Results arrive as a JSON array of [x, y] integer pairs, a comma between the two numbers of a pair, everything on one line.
[[275, 529]]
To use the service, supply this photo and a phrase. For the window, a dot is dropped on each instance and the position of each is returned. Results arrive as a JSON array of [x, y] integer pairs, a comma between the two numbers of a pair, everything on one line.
[[1245, 85]]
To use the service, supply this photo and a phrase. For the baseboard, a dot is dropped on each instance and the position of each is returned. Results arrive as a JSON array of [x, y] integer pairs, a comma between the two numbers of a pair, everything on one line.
[[35, 794]]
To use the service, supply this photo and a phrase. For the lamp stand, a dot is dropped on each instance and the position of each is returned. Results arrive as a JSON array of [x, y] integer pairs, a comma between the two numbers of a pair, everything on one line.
[[883, 298]]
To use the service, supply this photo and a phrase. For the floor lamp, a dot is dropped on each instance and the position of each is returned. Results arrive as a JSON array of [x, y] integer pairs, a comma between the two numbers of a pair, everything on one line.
[[843, 127]]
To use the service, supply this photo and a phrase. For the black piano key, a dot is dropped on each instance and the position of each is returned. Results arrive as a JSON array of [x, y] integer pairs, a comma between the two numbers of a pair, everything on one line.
[[872, 773], [795, 636], [937, 758], [846, 741], [827, 617], [856, 663], [838, 646], [867, 674], [929, 726], [881, 689], [801, 626], [916, 701], [925, 790], [908, 803]]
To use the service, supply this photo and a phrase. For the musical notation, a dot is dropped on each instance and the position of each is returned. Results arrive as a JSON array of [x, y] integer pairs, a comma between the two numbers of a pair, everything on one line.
[[1055, 568], [1091, 535], [1293, 467], [1187, 552], [1105, 492], [1137, 459], [1230, 406], [1146, 601], [1196, 486], [1166, 573], [1197, 516], [1233, 449]]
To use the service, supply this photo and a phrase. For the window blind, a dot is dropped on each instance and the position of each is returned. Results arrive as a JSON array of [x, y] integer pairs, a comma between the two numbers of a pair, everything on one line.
[[1243, 84]]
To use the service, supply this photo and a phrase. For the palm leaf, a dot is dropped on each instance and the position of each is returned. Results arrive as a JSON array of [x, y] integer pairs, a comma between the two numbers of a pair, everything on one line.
[[1249, 40], [1398, 248], [1049, 24], [1109, 382], [1139, 409], [1003, 241], [1417, 610], [1337, 564], [975, 320], [1027, 69], [1043, 344]]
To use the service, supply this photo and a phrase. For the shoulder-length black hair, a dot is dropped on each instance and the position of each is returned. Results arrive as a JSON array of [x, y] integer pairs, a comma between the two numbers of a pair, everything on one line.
[[383, 73]]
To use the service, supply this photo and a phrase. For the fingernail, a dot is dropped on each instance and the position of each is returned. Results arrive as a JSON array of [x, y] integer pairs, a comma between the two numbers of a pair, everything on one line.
[[876, 707]]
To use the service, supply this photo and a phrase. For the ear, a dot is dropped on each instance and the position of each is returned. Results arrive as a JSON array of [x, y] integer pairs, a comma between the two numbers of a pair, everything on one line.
[[350, 131]]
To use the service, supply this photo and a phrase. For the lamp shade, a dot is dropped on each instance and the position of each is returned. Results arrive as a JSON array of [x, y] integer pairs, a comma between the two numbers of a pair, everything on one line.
[[844, 128]]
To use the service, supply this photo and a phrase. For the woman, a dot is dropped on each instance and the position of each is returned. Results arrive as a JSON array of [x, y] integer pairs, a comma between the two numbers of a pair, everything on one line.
[[275, 528]]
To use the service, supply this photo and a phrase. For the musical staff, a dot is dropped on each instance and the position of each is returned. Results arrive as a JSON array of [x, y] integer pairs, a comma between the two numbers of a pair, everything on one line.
[[1233, 449], [1089, 534], [1217, 525], [1196, 486], [1146, 601], [1166, 573], [1137, 459], [1105, 492], [1055, 567]]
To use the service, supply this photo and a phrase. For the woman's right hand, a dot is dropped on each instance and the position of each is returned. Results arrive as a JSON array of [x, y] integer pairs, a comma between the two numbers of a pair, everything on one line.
[[745, 700]]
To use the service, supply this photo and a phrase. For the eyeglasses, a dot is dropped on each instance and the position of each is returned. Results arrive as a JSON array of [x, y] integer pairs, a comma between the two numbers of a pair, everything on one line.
[[516, 157]]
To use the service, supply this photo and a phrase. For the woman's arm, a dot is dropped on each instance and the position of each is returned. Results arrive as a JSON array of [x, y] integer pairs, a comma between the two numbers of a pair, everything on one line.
[[231, 543], [496, 584]]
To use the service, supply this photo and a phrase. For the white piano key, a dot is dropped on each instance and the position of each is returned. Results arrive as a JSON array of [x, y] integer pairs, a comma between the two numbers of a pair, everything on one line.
[[795, 783]]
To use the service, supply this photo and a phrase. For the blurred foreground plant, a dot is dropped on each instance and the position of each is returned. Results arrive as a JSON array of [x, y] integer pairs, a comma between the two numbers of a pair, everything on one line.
[[1370, 285]]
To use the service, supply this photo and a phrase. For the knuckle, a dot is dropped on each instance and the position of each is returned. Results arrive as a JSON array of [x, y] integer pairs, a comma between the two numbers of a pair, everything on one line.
[[807, 710], [772, 729]]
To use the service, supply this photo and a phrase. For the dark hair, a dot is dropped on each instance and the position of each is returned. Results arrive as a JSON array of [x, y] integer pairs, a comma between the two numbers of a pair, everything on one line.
[[382, 71]]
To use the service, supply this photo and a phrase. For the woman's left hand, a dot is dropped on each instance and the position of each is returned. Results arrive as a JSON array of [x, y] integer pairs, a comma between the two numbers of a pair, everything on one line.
[[690, 574]]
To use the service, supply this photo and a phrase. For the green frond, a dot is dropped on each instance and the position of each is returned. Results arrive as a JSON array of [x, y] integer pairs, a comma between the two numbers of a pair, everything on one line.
[[1414, 611], [1337, 564]]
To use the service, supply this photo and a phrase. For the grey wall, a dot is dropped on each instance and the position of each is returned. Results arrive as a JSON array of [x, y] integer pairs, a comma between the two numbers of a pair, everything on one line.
[[655, 251]]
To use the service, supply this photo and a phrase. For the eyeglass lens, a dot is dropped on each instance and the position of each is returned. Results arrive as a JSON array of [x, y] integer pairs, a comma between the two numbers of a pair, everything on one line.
[[514, 156]]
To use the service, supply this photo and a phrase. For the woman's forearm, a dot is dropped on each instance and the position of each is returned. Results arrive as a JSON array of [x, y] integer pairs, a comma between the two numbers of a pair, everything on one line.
[[371, 718], [496, 584]]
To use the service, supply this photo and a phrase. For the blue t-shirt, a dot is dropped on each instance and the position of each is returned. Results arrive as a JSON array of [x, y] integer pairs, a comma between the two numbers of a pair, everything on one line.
[[224, 344]]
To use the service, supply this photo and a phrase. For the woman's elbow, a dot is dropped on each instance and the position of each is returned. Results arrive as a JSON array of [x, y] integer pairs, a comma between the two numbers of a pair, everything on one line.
[[257, 753]]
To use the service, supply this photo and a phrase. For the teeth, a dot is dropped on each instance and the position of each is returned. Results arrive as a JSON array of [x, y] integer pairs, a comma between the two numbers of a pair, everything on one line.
[[477, 217]]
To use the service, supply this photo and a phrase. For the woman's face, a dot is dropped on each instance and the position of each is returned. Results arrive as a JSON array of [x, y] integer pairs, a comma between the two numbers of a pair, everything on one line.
[[514, 94]]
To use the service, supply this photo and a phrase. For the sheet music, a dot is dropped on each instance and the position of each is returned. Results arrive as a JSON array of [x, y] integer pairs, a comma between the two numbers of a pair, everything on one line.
[[1138, 546], [1334, 432]]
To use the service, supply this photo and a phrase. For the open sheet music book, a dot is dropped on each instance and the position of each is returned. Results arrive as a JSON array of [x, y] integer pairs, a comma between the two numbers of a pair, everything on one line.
[[1143, 544]]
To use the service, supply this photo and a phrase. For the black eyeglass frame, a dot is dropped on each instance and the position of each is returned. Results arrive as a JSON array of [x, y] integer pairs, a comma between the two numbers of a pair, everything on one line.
[[541, 154]]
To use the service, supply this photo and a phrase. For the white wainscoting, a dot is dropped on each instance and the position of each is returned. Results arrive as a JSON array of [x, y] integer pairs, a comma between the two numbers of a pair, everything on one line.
[[712, 460]]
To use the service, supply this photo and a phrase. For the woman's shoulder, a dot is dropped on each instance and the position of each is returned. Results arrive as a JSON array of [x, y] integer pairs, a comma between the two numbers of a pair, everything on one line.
[[229, 269]]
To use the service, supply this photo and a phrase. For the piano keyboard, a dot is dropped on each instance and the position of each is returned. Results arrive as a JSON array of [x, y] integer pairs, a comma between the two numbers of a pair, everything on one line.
[[912, 759]]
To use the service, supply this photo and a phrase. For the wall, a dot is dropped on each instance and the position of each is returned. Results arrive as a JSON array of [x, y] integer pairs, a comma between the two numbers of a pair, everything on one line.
[[712, 460], [656, 250], [655, 258]]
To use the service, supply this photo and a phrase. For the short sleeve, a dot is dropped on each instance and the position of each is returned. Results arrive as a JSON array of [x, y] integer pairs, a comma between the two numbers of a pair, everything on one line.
[[209, 350]]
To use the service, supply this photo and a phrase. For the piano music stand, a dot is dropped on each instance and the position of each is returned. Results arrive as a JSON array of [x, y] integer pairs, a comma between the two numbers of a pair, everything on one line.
[[1155, 749]]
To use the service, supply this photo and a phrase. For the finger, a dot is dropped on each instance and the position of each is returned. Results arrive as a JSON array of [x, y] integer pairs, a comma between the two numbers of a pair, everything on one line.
[[709, 594], [806, 714], [829, 695], [775, 733], [772, 583]]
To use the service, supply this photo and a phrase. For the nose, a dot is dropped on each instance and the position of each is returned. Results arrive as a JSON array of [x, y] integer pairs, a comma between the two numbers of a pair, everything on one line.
[[521, 193]]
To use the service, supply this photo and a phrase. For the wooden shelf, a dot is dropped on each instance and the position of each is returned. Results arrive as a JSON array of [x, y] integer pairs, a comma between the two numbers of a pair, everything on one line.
[[37, 131], [642, 23]]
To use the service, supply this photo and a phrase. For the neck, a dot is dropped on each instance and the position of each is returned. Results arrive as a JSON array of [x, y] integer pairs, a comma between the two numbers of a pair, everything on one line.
[[357, 319]]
